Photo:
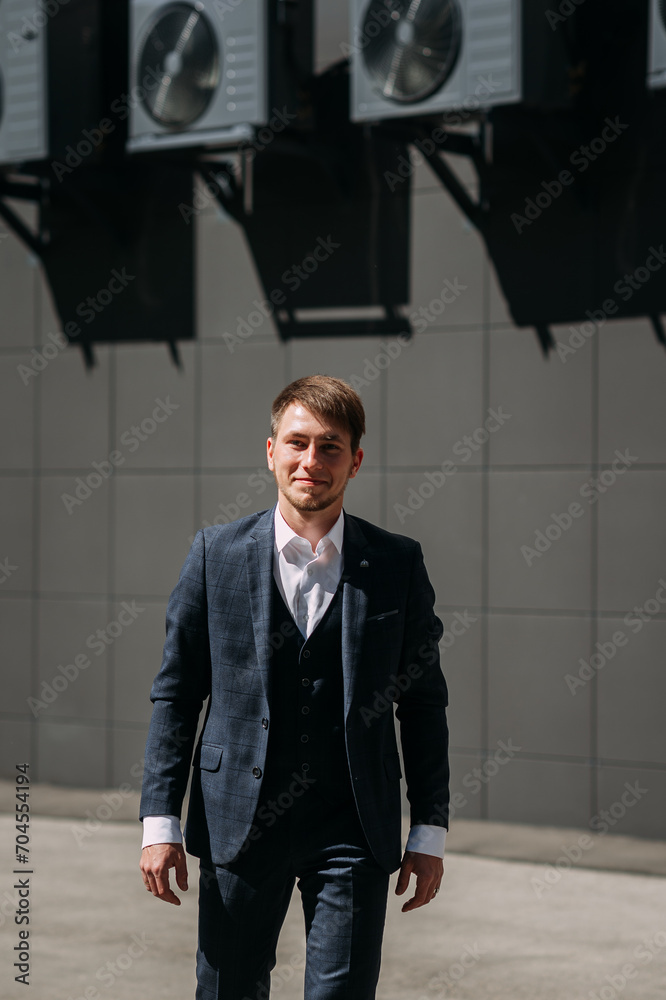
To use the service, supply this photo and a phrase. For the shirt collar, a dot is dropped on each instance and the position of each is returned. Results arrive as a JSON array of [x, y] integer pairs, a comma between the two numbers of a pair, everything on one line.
[[284, 534]]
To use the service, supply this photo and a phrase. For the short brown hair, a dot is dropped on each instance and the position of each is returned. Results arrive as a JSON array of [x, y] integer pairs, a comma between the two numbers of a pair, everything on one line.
[[327, 397]]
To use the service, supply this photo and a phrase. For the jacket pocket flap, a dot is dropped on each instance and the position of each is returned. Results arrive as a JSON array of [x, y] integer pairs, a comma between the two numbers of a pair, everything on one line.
[[210, 757], [392, 766]]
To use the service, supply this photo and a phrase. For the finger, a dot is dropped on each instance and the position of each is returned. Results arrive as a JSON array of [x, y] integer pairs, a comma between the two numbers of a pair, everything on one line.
[[422, 895], [164, 890], [181, 871], [403, 878], [151, 884], [145, 877]]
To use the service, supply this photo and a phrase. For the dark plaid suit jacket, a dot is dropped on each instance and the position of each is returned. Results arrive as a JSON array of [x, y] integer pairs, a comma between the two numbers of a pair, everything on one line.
[[218, 646]]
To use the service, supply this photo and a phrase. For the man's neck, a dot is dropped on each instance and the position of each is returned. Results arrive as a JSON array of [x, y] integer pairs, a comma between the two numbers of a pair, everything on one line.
[[309, 524]]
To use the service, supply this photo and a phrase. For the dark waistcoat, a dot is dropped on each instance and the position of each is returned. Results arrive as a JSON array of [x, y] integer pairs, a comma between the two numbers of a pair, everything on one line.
[[306, 735]]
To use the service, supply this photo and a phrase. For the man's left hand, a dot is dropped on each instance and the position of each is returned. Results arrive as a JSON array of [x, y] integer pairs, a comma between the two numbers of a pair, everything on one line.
[[428, 870]]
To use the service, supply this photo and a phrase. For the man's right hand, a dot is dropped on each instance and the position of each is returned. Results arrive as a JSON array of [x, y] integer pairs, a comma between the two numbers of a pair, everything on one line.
[[156, 861]]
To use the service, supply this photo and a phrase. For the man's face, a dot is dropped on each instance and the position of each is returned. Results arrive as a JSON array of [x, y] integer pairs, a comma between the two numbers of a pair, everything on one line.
[[311, 459]]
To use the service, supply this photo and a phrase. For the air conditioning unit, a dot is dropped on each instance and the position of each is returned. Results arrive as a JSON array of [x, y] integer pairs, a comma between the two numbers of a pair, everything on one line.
[[209, 74], [60, 63], [23, 123], [657, 45], [421, 59]]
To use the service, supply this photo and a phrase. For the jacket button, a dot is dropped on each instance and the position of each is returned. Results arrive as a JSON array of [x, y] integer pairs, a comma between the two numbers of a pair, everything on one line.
[[305, 681], [304, 738], [264, 723], [306, 653], [305, 710], [256, 771]]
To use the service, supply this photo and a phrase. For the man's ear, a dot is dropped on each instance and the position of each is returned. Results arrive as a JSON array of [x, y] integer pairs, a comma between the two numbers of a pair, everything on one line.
[[357, 458], [269, 453]]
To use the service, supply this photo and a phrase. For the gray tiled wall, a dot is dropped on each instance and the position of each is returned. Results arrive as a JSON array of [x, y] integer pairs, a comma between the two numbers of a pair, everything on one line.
[[514, 631]]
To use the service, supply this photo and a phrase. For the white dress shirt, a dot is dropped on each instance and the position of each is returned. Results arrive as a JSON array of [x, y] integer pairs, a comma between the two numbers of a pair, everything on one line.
[[307, 581]]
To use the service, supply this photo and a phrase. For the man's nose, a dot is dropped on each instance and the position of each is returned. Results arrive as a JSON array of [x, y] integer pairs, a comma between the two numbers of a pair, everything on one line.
[[311, 457]]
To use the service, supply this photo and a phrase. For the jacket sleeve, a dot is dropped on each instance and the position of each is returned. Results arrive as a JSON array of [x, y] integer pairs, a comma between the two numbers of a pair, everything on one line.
[[179, 690], [421, 704]]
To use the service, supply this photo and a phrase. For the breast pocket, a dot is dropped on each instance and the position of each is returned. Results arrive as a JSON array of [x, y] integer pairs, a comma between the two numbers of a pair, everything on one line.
[[391, 616], [383, 635]]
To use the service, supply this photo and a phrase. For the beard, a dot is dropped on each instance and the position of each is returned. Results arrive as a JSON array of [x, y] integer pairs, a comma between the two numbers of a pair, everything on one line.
[[306, 501]]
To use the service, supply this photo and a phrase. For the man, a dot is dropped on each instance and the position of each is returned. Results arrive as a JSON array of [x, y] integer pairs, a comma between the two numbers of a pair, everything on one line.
[[302, 625]]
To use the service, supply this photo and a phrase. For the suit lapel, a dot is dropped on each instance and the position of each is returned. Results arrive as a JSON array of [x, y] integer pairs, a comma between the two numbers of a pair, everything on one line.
[[355, 579], [259, 585]]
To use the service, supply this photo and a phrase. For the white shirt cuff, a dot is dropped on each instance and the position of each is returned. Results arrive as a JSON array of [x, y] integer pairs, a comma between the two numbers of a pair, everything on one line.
[[422, 839], [161, 830], [425, 839]]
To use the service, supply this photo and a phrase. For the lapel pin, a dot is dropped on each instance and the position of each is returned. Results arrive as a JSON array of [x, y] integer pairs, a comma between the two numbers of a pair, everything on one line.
[[364, 564]]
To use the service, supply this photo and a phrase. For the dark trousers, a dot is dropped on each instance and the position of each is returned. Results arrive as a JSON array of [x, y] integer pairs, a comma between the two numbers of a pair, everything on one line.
[[242, 906]]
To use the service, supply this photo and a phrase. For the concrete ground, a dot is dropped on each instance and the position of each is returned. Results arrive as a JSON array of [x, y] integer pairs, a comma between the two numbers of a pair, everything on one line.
[[524, 912]]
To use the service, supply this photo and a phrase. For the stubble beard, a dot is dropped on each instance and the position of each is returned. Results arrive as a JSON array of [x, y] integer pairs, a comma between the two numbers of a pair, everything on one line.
[[307, 501]]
